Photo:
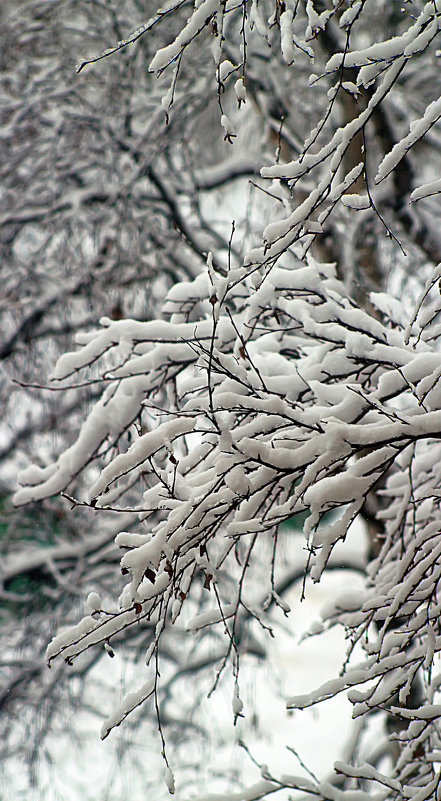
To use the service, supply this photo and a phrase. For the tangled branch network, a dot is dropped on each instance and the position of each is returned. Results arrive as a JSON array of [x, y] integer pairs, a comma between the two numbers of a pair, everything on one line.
[[266, 392]]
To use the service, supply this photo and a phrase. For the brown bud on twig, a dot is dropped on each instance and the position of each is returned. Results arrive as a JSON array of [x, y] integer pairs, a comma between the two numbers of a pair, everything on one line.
[[150, 574]]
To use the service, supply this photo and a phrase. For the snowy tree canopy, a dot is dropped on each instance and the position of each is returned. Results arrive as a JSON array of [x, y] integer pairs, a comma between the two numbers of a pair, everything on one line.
[[271, 387]]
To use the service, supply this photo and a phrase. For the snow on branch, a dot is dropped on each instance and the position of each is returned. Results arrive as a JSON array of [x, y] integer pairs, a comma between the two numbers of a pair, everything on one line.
[[133, 37], [264, 394], [300, 401], [374, 71]]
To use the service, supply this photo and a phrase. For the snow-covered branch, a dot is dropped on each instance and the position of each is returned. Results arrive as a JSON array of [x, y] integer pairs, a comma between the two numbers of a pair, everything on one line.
[[264, 391]]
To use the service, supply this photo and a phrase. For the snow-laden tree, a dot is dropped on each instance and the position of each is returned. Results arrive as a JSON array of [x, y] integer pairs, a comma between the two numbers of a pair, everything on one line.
[[98, 215], [274, 385]]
